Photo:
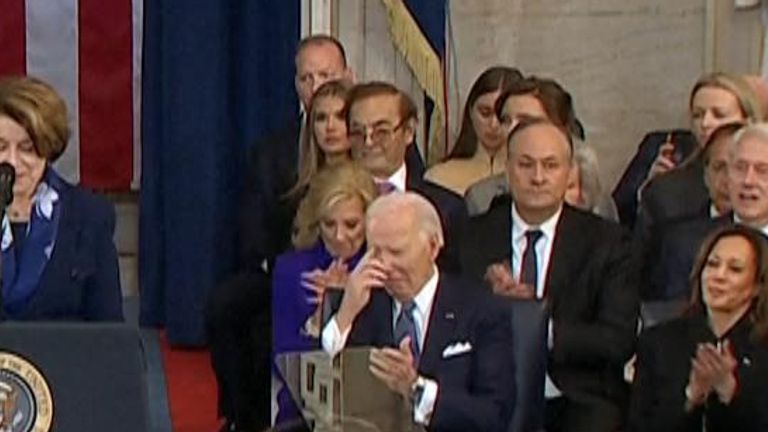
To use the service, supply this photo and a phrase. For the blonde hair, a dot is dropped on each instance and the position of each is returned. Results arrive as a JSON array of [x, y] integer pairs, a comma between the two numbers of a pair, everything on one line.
[[329, 186], [750, 107], [312, 157], [38, 108]]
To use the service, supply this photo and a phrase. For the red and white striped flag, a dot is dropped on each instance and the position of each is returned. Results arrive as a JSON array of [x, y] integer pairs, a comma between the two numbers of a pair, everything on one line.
[[90, 51]]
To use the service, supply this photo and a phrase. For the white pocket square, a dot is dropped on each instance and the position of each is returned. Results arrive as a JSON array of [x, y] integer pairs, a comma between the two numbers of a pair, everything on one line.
[[456, 349]]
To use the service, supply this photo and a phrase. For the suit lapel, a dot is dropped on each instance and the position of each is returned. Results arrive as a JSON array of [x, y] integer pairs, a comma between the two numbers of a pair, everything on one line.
[[567, 250], [442, 325]]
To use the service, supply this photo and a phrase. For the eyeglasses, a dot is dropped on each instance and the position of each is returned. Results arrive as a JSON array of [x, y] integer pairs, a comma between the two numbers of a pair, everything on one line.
[[378, 134]]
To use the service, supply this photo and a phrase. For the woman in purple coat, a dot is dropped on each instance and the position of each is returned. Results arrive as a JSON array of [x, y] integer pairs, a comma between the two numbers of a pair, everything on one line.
[[329, 234]]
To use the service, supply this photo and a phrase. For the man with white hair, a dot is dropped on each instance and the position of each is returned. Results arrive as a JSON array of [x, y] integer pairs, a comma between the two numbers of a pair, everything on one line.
[[439, 341], [747, 167], [748, 176]]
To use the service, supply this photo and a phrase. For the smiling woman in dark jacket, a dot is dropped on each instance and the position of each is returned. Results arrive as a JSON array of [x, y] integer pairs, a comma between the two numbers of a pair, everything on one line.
[[710, 367], [58, 258]]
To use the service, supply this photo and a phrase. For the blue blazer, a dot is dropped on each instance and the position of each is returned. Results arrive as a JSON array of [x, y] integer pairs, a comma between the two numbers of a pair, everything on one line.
[[477, 387], [291, 309], [81, 280], [290, 306]]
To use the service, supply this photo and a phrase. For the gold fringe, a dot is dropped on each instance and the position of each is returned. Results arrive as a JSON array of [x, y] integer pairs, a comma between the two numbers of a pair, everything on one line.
[[425, 65]]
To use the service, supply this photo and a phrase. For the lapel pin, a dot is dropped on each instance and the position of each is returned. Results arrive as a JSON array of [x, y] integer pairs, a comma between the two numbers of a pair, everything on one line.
[[746, 361], [449, 315]]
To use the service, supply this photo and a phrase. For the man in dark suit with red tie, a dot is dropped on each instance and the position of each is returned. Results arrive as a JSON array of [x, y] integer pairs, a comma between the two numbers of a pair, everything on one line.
[[580, 264]]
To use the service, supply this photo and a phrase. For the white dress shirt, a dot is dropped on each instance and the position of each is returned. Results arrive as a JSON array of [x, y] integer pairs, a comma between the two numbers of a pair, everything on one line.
[[762, 229], [333, 341], [397, 179], [543, 246]]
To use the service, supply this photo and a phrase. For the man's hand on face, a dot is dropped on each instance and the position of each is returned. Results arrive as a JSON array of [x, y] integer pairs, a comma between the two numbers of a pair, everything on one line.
[[368, 274]]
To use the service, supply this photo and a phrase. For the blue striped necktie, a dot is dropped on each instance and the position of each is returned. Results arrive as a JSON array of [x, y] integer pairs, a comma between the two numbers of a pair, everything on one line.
[[406, 326]]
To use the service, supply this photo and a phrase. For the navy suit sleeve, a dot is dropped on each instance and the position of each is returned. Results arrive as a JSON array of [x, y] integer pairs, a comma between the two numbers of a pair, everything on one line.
[[485, 401], [103, 298]]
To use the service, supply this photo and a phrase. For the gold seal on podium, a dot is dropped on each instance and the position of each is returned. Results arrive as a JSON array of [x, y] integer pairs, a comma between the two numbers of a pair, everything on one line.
[[25, 398]]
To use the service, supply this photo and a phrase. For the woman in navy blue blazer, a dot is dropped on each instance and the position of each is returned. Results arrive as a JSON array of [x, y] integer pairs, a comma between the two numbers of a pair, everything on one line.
[[58, 258], [329, 234]]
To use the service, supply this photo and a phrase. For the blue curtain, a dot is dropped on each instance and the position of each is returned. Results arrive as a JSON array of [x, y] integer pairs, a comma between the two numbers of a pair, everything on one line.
[[430, 16], [216, 76]]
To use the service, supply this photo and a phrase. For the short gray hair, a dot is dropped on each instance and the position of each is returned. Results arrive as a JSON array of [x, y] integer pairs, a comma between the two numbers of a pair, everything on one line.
[[585, 158], [427, 218], [758, 130]]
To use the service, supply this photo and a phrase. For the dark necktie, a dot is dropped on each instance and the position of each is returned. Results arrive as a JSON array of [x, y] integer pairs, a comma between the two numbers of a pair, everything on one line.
[[529, 273], [406, 326], [385, 188]]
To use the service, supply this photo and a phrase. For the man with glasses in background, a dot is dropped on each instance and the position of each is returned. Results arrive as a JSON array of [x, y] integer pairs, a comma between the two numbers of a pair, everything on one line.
[[381, 123]]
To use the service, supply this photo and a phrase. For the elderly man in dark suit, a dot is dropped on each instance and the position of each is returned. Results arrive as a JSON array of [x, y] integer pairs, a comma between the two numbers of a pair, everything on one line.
[[669, 244], [239, 309], [439, 340], [381, 123], [580, 264], [747, 173]]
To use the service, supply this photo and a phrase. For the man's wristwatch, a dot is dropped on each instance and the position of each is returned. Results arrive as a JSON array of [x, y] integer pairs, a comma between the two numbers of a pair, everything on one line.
[[417, 389]]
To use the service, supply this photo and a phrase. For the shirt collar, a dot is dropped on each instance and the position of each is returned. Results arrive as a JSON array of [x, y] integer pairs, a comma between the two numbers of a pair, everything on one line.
[[713, 213], [398, 178], [520, 226], [426, 295], [762, 229]]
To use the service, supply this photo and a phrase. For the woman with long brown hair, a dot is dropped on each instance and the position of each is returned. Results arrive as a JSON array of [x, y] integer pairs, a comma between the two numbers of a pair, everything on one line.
[[709, 368]]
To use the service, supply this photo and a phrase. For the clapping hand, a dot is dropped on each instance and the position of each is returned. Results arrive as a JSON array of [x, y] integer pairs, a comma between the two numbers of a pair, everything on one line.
[[712, 369], [395, 367], [500, 277], [319, 280]]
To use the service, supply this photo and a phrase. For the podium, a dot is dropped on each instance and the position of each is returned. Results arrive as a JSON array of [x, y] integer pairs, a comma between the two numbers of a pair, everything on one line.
[[340, 394], [95, 374]]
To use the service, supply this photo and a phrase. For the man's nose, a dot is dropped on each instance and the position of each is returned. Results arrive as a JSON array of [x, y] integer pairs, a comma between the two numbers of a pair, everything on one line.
[[538, 173], [750, 176]]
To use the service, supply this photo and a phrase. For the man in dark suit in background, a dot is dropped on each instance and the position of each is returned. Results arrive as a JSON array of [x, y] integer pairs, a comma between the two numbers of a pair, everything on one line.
[[439, 340], [580, 264], [381, 123], [674, 218], [747, 173]]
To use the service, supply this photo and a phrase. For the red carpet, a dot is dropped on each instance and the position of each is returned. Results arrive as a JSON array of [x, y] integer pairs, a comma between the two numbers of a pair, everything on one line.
[[191, 388]]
